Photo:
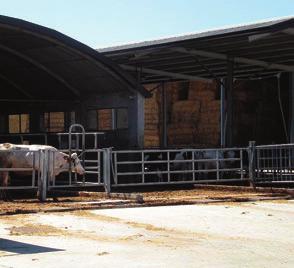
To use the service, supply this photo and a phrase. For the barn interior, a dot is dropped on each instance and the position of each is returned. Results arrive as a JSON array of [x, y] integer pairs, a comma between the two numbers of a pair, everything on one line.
[[216, 88], [49, 81]]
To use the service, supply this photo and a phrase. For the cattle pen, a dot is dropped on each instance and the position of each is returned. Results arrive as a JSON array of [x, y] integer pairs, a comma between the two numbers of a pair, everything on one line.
[[174, 111], [193, 136]]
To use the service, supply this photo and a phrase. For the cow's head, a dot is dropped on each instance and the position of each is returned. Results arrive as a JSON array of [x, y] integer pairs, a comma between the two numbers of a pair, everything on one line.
[[76, 165]]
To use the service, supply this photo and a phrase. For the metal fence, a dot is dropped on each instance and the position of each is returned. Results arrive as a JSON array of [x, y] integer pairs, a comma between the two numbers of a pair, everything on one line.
[[32, 169], [154, 167], [113, 168], [274, 163], [92, 163]]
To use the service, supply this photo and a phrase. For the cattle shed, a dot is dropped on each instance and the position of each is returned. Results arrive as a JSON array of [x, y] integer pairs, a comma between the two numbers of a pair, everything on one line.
[[49, 81], [221, 87]]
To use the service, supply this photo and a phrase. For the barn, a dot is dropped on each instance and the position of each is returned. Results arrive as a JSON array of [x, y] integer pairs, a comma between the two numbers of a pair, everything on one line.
[[169, 111], [49, 81], [215, 88]]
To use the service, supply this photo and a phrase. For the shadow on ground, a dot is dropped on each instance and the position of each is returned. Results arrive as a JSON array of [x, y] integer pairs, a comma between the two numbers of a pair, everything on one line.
[[23, 248]]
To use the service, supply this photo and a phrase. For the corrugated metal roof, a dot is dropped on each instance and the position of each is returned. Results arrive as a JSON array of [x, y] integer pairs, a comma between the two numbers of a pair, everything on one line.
[[256, 50], [200, 34]]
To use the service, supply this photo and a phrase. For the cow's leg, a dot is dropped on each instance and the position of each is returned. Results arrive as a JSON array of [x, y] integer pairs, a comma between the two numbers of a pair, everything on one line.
[[4, 178]]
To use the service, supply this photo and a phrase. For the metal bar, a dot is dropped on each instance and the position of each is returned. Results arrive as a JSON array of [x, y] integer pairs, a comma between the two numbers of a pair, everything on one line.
[[222, 110], [175, 171], [168, 166], [143, 167], [217, 165], [164, 116], [229, 104], [220, 56], [115, 168], [193, 165], [42, 67], [18, 187], [34, 170], [42, 183], [164, 73], [16, 169], [241, 164], [177, 182]]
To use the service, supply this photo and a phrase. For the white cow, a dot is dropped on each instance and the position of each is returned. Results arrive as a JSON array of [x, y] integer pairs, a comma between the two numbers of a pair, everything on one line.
[[28, 156]]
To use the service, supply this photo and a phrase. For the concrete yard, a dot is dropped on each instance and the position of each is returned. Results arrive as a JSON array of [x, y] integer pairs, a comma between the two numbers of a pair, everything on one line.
[[249, 234]]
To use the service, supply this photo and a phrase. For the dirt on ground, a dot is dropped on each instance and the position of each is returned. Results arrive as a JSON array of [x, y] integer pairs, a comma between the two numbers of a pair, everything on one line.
[[99, 200]]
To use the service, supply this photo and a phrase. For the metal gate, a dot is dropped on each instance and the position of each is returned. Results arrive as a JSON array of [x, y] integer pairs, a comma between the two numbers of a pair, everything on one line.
[[112, 168], [91, 160], [274, 163], [155, 167]]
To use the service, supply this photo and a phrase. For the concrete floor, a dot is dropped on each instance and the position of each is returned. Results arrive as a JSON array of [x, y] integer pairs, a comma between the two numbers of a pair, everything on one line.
[[259, 234]]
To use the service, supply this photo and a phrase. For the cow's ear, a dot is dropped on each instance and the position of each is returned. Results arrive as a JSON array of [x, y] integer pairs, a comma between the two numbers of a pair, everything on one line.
[[66, 158]]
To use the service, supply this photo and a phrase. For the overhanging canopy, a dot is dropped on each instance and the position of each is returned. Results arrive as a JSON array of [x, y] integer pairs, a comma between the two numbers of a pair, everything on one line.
[[38, 63], [256, 50]]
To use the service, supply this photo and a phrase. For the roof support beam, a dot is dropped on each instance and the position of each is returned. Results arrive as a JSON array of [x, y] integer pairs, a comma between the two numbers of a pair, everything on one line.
[[16, 86], [42, 67], [220, 56], [164, 73]]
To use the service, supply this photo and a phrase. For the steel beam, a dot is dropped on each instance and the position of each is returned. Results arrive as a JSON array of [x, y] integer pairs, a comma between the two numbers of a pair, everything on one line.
[[164, 116], [16, 86], [291, 107], [223, 113], [229, 104], [40, 66], [242, 60], [164, 73]]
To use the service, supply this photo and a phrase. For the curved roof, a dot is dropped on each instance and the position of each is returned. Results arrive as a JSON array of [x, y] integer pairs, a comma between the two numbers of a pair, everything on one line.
[[41, 63]]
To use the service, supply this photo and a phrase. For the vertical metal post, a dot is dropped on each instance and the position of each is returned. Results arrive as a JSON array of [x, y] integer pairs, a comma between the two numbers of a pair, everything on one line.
[[106, 169], [168, 166], [291, 107], [222, 113], [251, 158], [142, 167], [34, 169], [217, 164], [42, 181], [241, 163], [164, 116], [229, 104], [98, 166], [193, 165], [70, 148]]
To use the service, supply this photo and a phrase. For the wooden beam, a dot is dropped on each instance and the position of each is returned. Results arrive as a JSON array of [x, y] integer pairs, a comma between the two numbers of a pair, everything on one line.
[[220, 56], [164, 73]]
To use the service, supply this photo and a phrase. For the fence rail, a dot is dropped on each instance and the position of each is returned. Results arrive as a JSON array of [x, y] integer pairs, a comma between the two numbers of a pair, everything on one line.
[[274, 163], [113, 168], [153, 167]]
